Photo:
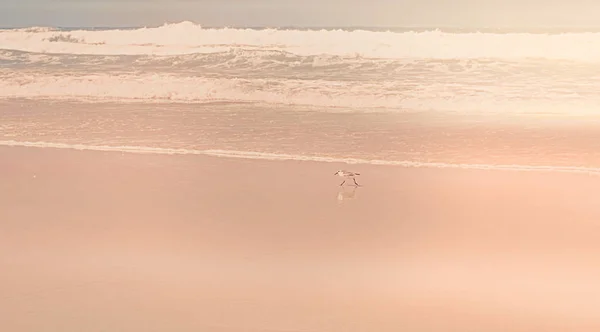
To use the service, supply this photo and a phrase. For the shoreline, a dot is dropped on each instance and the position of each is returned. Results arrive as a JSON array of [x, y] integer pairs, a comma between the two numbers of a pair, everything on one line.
[[266, 156]]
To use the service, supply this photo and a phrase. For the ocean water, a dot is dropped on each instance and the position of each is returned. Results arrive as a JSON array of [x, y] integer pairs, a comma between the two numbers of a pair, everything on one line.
[[486, 98]]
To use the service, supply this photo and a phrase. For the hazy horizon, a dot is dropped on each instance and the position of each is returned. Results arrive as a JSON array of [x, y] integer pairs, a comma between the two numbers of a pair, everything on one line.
[[311, 13], [540, 28]]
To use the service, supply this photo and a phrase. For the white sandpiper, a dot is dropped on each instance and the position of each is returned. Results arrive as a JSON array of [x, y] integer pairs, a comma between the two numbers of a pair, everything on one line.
[[347, 175]]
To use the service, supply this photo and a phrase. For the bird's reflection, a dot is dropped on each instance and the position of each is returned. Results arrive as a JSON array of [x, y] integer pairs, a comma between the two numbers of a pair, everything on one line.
[[346, 194]]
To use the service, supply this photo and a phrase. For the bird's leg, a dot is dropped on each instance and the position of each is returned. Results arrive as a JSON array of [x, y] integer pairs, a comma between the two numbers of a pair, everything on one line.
[[358, 185], [343, 183]]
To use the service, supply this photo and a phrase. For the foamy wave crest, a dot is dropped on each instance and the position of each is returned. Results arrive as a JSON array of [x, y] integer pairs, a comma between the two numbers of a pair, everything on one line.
[[283, 157], [431, 94], [155, 87], [37, 29], [188, 38], [253, 62]]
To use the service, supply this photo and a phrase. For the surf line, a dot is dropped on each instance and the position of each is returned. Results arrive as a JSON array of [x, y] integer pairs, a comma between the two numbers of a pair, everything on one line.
[[292, 157]]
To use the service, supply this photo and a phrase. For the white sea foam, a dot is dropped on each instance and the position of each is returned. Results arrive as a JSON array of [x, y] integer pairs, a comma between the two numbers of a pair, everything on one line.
[[433, 93], [366, 70], [290, 157], [188, 38]]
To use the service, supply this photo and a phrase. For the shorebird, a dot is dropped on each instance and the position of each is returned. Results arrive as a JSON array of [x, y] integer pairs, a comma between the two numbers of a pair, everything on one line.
[[347, 175]]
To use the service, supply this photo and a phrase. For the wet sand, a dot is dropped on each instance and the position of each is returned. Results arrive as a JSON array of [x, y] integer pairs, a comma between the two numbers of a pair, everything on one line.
[[105, 241]]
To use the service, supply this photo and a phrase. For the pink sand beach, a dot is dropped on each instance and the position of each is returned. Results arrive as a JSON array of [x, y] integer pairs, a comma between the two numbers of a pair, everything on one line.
[[106, 241]]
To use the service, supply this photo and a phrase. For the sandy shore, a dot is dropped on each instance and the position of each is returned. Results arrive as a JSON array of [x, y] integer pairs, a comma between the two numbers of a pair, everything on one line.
[[105, 241]]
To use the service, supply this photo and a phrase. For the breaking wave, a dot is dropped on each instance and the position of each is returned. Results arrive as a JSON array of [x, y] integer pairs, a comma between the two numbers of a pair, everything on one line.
[[391, 94], [190, 38], [400, 70]]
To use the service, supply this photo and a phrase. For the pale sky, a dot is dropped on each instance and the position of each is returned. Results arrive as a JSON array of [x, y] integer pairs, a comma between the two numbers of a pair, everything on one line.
[[457, 13]]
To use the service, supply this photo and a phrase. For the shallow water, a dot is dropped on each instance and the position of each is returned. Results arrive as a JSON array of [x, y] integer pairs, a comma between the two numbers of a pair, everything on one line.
[[259, 131]]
